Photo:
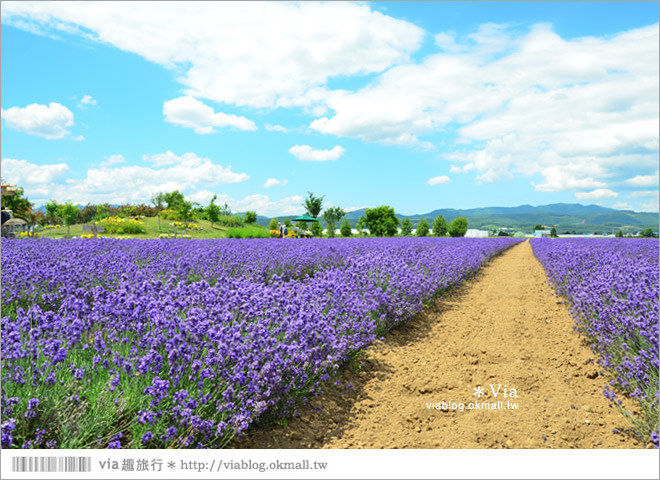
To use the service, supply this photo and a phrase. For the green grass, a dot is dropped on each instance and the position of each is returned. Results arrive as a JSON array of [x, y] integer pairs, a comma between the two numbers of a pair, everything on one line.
[[151, 226], [253, 231]]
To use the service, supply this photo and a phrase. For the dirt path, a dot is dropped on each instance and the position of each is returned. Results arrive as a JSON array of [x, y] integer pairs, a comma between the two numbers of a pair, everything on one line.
[[503, 327]]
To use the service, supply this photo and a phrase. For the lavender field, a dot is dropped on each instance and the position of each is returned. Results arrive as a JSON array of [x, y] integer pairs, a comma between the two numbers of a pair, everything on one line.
[[612, 287], [178, 343]]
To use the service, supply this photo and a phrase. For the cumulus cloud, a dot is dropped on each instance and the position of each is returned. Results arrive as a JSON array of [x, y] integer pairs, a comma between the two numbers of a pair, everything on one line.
[[643, 180], [115, 182], [438, 180], [599, 193], [190, 168], [570, 105], [27, 173], [307, 153], [48, 121], [86, 100], [622, 206], [644, 193], [274, 182], [275, 128], [650, 206], [191, 113], [293, 48]]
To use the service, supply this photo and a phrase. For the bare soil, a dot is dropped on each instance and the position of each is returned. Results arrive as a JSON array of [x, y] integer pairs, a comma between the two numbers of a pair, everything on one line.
[[504, 327]]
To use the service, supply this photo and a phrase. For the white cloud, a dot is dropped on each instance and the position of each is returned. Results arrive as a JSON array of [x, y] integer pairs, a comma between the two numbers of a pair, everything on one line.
[[455, 169], [113, 160], [644, 193], [191, 113], [187, 173], [438, 180], [568, 177], [275, 128], [622, 206], [596, 194], [78, 138], [262, 54], [26, 173], [86, 100], [305, 152], [190, 168], [523, 104], [643, 180], [273, 182], [650, 206], [48, 121]]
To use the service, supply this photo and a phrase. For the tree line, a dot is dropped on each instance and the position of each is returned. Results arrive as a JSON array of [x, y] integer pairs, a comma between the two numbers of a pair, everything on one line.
[[379, 221]]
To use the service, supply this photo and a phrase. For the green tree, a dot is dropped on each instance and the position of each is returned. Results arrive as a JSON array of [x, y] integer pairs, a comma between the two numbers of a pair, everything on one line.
[[316, 229], [69, 214], [648, 233], [458, 227], [539, 227], [288, 223], [174, 200], [18, 203], [381, 221], [332, 215], [553, 232], [250, 217], [422, 228], [212, 211], [361, 225], [102, 211], [619, 234], [53, 211], [185, 209], [439, 226], [272, 225], [158, 201], [406, 227], [345, 229], [313, 204]]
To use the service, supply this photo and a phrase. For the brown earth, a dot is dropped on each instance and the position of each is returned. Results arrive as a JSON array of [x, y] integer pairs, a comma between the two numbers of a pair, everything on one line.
[[503, 327]]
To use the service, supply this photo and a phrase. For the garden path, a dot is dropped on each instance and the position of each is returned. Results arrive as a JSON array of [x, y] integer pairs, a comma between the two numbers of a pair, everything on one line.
[[504, 327]]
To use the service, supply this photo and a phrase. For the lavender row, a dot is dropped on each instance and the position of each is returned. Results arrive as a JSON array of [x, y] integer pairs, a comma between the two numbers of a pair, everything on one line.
[[137, 343], [612, 286]]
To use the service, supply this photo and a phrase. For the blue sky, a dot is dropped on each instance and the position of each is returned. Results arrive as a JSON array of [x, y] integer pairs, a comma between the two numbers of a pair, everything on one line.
[[418, 105]]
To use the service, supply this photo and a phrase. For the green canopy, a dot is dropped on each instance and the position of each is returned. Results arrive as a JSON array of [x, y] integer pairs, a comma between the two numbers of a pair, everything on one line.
[[305, 218]]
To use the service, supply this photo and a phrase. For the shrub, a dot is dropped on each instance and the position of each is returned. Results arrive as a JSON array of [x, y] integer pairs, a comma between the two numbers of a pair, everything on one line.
[[122, 225], [169, 214], [247, 232]]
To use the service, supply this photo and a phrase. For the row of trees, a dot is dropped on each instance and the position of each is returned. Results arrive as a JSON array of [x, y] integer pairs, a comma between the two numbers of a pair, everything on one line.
[[380, 221]]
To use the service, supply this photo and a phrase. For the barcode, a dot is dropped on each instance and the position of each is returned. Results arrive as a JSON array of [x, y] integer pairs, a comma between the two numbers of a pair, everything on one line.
[[51, 464]]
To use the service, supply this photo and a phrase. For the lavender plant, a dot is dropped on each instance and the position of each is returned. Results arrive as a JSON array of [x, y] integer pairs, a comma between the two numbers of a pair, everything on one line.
[[155, 344], [612, 287]]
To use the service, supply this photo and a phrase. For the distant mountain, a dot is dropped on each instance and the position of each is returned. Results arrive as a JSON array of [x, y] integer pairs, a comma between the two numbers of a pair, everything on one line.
[[563, 216]]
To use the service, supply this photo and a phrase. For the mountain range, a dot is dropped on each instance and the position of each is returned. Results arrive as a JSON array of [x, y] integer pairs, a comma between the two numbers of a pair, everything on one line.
[[565, 217]]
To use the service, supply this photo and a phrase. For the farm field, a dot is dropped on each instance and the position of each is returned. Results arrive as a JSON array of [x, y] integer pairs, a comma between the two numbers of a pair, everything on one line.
[[506, 328], [187, 343], [613, 288]]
